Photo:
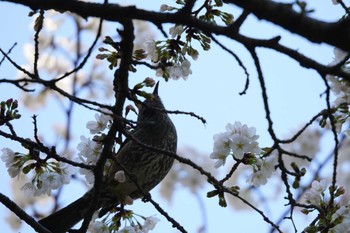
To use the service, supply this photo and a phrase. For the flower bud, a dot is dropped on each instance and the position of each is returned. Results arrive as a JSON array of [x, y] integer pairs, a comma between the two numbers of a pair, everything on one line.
[[149, 82], [120, 176]]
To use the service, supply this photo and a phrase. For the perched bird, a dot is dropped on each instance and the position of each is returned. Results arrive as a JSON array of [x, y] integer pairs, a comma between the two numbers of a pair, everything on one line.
[[142, 165]]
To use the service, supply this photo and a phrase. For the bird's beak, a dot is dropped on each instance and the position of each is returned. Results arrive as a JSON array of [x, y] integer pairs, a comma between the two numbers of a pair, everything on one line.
[[155, 91]]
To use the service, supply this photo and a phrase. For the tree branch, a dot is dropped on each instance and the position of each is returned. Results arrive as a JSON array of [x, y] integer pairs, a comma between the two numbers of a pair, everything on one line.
[[336, 33], [22, 214]]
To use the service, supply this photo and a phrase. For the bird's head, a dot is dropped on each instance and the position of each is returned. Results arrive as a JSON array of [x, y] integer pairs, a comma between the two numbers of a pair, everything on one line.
[[152, 106]]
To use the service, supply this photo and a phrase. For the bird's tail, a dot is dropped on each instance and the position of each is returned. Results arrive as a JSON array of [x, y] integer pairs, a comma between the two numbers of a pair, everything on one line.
[[64, 219]]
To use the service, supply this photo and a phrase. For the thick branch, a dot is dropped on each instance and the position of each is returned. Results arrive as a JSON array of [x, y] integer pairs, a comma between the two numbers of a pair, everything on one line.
[[282, 14], [120, 84], [22, 214], [336, 34]]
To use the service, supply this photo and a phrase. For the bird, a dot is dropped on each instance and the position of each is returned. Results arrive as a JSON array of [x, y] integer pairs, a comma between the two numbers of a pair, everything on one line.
[[142, 166]]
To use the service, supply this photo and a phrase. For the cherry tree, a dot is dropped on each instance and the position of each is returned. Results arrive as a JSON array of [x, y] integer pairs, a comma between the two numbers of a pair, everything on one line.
[[89, 58]]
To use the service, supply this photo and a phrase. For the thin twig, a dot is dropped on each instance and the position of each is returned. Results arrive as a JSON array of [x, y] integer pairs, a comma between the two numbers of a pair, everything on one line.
[[36, 130], [51, 152], [17, 84], [8, 52], [295, 136], [336, 140], [240, 63], [18, 67], [192, 114], [88, 54], [38, 27]]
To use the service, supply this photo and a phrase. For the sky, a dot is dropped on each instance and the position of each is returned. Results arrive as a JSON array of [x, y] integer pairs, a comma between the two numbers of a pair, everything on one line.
[[211, 92]]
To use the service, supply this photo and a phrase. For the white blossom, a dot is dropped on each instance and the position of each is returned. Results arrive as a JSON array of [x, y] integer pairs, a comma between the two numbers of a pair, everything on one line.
[[344, 213], [150, 223], [89, 175], [319, 186], [31, 189], [177, 70], [237, 140], [165, 7], [151, 50], [176, 30], [127, 229], [98, 227], [268, 165], [8, 156], [221, 149], [143, 32], [186, 69], [314, 195], [344, 98], [101, 122], [337, 87], [55, 180], [13, 171], [182, 70], [44, 183], [51, 180], [263, 170], [89, 150], [339, 56], [234, 128], [239, 145], [257, 178]]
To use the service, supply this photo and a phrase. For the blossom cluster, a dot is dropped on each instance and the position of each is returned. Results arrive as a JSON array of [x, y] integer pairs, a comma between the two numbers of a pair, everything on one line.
[[237, 141], [315, 195], [240, 142], [263, 168], [148, 225], [89, 150], [48, 174], [337, 215], [174, 67], [170, 55], [340, 87], [106, 226]]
